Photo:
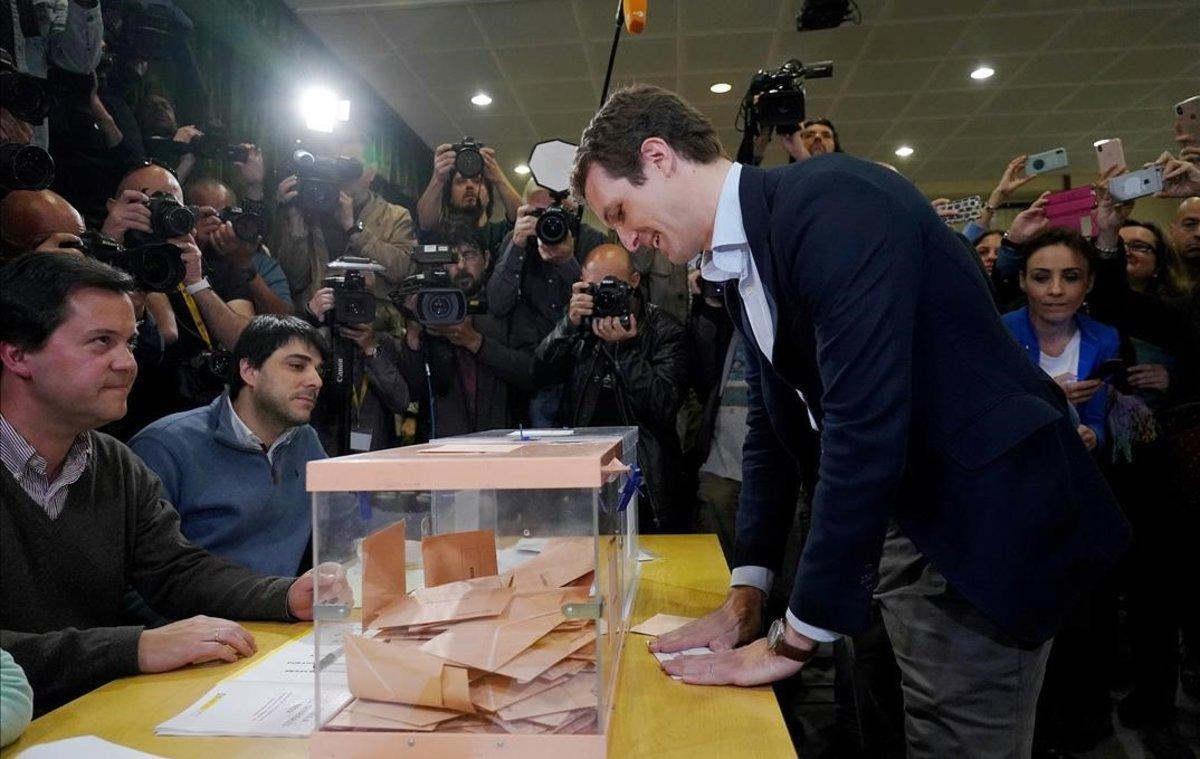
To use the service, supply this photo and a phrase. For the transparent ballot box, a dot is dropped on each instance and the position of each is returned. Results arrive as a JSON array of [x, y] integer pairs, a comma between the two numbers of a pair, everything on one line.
[[491, 579]]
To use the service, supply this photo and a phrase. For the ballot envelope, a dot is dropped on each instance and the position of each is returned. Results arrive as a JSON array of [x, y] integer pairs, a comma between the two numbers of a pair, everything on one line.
[[488, 581]]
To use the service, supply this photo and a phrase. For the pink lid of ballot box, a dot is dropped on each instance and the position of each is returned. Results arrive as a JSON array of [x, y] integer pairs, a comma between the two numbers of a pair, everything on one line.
[[475, 464]]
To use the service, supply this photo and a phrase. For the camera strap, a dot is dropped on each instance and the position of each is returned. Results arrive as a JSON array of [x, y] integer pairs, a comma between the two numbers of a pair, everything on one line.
[[194, 310]]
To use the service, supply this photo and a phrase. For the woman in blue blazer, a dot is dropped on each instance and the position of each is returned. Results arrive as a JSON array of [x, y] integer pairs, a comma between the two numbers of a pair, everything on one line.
[[1056, 275]]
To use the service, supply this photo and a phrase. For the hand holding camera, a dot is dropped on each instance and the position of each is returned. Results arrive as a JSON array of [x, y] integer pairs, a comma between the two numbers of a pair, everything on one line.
[[232, 249], [1013, 179], [443, 162], [60, 242], [581, 304], [320, 302], [130, 211], [614, 329], [208, 221], [191, 258], [252, 170], [1029, 222], [287, 190], [362, 335], [462, 334]]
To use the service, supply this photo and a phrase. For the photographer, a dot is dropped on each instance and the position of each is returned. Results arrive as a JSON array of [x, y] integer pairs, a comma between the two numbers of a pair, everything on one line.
[[623, 374], [470, 196], [39, 220], [360, 224], [269, 289], [379, 391], [468, 367]]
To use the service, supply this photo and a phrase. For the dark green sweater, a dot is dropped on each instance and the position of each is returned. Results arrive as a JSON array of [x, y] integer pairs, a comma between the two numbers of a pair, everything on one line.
[[62, 581]]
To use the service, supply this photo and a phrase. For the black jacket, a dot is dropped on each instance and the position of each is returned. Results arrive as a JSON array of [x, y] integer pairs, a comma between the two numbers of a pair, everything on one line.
[[650, 373], [500, 371], [929, 412]]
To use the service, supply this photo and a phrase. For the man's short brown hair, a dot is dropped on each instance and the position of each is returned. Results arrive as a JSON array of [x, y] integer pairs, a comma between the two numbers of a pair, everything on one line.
[[613, 140]]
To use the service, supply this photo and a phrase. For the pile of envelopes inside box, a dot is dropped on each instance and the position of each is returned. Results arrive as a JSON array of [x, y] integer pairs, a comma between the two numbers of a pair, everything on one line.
[[473, 650]]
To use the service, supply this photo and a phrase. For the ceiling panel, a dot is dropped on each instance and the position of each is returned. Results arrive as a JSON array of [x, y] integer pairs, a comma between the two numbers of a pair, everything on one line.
[[1067, 72]]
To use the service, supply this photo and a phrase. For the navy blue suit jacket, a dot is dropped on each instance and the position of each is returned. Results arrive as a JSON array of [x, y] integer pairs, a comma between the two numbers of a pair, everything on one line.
[[929, 412]]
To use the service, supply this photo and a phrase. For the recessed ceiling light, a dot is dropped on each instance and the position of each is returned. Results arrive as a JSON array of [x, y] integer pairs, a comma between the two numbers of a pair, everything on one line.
[[482, 98], [904, 151], [983, 72], [720, 88], [522, 169]]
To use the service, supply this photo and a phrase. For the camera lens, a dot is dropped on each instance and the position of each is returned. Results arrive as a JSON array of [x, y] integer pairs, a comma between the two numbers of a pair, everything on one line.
[[157, 267], [1038, 164], [439, 306], [25, 167], [469, 162], [247, 226], [552, 228], [177, 221]]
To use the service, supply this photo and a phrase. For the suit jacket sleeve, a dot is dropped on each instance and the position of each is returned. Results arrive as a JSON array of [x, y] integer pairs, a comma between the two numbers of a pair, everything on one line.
[[770, 481], [853, 254]]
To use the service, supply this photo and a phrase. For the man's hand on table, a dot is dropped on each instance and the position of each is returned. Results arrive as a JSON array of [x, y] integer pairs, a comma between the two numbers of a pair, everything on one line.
[[754, 664], [193, 641], [331, 583], [737, 621]]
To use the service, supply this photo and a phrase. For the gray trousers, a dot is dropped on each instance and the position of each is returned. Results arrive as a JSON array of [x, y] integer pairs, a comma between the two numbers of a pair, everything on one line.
[[970, 690]]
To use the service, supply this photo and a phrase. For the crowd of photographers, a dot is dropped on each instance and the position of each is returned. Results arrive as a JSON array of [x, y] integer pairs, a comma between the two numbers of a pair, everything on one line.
[[277, 322]]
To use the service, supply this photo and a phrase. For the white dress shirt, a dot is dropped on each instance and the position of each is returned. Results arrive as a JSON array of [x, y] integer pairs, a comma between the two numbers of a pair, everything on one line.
[[730, 258], [246, 436]]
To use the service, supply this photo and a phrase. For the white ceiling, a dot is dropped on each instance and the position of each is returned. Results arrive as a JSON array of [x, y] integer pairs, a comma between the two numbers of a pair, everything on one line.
[[1068, 71]]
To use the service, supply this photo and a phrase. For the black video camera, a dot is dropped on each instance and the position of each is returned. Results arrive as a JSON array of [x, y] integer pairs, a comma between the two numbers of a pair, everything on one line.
[[468, 161], [248, 226], [168, 218], [353, 301], [27, 97], [780, 93], [438, 300], [155, 266], [611, 297], [321, 179], [25, 167]]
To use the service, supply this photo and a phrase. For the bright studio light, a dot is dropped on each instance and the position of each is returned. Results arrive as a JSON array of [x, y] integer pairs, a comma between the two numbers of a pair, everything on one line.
[[322, 109], [983, 72], [481, 98], [720, 88], [522, 169], [904, 151]]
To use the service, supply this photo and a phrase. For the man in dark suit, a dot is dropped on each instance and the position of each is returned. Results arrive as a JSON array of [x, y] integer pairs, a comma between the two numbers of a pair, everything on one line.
[[942, 449]]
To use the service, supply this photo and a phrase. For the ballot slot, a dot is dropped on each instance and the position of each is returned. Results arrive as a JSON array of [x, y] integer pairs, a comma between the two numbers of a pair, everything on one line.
[[492, 585]]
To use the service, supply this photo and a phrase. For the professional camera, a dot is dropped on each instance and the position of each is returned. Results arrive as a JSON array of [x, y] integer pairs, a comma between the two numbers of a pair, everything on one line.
[[438, 301], [168, 218], [150, 29], [25, 167], [155, 266], [555, 224], [27, 97], [353, 301], [321, 179], [248, 226], [214, 143], [780, 93], [468, 161], [609, 298]]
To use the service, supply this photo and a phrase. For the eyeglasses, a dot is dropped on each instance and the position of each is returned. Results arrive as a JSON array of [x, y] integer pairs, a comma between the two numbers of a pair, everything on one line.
[[469, 254], [1139, 247]]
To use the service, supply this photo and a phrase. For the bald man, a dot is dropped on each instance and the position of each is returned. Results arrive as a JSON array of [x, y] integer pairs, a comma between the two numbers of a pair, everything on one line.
[[1185, 234], [39, 220], [268, 285], [619, 375]]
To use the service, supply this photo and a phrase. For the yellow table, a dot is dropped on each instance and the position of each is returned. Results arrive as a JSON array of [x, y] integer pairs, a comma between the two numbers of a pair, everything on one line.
[[654, 716]]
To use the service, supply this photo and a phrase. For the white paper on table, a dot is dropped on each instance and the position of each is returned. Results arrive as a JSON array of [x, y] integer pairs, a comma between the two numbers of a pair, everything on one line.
[[469, 448], [688, 652], [254, 710], [292, 664], [531, 545], [644, 555], [84, 745]]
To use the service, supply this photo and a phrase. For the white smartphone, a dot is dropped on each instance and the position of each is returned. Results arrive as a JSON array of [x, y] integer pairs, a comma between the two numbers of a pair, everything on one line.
[[1051, 160], [1109, 153], [1136, 184]]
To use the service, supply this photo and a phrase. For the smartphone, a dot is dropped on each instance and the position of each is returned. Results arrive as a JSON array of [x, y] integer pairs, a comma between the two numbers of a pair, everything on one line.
[[1106, 369], [963, 210], [1109, 153], [1051, 160], [1136, 184], [1187, 120], [1072, 209]]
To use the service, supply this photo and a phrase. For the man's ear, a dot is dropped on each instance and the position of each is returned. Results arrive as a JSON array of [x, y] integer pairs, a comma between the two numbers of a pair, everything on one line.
[[248, 372], [12, 357], [657, 153], [635, 279]]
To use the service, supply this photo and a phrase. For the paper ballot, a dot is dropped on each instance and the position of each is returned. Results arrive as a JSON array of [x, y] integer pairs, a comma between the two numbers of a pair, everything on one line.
[[85, 745]]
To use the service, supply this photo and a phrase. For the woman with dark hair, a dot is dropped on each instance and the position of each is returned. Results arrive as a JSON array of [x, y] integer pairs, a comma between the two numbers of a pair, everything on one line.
[[1152, 265], [1056, 274], [987, 245]]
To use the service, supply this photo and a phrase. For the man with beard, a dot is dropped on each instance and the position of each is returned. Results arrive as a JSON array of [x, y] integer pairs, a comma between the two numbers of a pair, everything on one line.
[[1185, 235], [450, 195], [235, 469], [819, 137], [468, 367]]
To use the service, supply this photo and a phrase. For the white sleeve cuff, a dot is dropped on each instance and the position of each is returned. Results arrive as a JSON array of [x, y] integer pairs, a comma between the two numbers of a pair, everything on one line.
[[808, 631], [756, 577]]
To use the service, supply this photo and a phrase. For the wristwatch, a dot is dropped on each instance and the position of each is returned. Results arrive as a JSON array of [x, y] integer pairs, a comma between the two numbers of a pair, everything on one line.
[[777, 643]]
